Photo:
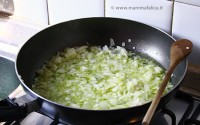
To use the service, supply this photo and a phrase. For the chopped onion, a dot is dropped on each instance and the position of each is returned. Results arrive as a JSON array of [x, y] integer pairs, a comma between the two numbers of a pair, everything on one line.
[[99, 78]]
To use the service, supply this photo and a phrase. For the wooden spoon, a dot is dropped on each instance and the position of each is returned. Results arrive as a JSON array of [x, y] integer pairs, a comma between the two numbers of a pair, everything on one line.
[[179, 51]]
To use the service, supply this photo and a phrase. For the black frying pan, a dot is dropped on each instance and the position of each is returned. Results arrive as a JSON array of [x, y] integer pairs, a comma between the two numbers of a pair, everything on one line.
[[95, 31]]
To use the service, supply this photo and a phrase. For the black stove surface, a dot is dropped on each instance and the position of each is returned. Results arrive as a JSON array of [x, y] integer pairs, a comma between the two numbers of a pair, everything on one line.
[[183, 109]]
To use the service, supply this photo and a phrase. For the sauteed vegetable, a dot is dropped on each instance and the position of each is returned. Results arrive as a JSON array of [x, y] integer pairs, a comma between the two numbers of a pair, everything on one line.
[[99, 78]]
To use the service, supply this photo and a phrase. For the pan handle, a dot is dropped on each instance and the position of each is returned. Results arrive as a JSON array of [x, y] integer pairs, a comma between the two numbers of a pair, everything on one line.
[[11, 111]]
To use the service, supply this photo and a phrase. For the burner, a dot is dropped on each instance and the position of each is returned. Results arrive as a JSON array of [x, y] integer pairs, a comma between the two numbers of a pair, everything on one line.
[[195, 117]]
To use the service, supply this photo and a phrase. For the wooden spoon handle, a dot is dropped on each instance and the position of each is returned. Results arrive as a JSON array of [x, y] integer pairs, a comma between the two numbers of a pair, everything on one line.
[[158, 96], [179, 51]]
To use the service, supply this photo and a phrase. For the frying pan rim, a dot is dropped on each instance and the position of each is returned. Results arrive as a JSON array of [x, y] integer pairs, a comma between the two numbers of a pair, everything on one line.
[[36, 95]]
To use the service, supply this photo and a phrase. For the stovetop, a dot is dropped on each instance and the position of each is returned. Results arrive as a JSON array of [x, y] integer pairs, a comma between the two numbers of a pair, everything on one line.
[[183, 109]]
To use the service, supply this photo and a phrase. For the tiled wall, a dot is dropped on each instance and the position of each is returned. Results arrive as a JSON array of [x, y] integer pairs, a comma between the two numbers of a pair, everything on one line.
[[180, 18], [63, 10], [186, 24], [157, 13], [32, 10]]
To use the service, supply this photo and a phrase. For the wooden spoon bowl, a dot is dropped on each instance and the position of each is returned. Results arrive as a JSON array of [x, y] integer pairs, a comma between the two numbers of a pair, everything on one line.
[[178, 52]]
